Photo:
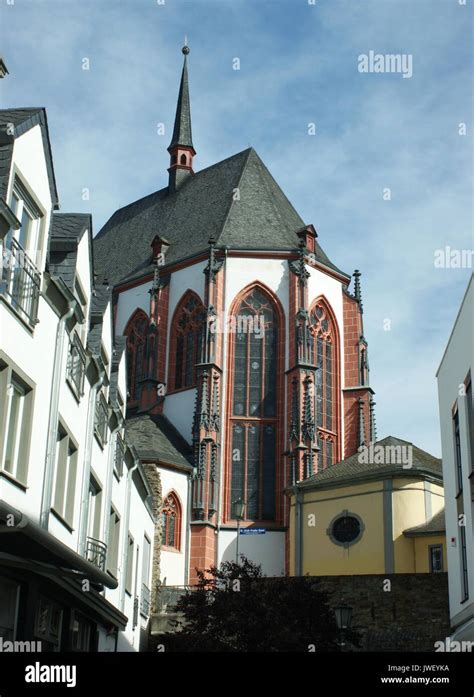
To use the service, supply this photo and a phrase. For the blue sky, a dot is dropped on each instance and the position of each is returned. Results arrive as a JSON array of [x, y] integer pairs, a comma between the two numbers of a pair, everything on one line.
[[298, 65]]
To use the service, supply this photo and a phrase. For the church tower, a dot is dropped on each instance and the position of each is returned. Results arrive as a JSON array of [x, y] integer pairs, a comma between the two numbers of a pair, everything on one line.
[[247, 362], [181, 148]]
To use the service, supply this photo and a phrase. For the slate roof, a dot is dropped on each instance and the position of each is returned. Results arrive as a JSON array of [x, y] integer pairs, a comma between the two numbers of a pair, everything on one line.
[[67, 230], [203, 205], [23, 120], [436, 525], [119, 348], [155, 438], [100, 299], [182, 134], [351, 470]]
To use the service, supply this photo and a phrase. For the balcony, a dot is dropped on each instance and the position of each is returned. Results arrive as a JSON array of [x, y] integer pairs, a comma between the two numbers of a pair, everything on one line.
[[20, 281], [167, 619], [96, 552]]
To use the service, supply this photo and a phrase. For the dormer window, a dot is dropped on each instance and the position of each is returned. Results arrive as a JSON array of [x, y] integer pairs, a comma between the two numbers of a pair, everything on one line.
[[30, 235]]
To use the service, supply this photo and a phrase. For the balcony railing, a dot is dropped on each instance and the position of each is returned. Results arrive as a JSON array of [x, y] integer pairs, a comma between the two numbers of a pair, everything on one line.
[[20, 281], [101, 419], [76, 365], [96, 552], [145, 601], [119, 456], [168, 596], [135, 612]]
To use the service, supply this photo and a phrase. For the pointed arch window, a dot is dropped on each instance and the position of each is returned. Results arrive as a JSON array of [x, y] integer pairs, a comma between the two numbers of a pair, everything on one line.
[[186, 341], [253, 426], [324, 349], [171, 522], [136, 332]]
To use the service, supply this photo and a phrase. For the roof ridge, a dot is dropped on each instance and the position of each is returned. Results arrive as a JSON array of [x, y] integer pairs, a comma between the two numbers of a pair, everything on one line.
[[232, 200]]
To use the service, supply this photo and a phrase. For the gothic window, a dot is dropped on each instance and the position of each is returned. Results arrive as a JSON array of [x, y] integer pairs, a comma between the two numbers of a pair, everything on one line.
[[183, 159], [136, 332], [186, 341], [254, 406], [324, 355], [171, 522]]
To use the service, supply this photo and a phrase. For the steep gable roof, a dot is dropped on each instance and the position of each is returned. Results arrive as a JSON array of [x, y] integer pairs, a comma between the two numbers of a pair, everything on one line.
[[67, 230], [23, 120], [155, 438], [258, 217]]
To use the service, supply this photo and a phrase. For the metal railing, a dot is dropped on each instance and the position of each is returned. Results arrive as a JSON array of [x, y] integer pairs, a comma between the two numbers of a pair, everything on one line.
[[20, 281], [135, 612], [101, 418], [145, 601], [167, 597], [76, 365], [96, 552], [119, 455]]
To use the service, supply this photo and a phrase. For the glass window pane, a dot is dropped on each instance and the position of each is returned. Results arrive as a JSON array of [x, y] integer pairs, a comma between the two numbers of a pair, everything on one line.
[[15, 398], [253, 471], [238, 456], [269, 468], [178, 380]]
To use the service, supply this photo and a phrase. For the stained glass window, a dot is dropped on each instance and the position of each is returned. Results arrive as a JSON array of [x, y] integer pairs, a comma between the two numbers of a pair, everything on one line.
[[324, 357], [136, 332], [171, 522], [187, 335], [254, 374]]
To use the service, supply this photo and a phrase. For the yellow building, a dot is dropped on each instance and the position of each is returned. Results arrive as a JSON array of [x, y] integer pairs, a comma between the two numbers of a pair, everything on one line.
[[379, 511]]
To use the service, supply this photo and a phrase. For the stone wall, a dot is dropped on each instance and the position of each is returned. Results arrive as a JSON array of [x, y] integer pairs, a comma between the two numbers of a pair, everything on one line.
[[393, 612], [154, 480]]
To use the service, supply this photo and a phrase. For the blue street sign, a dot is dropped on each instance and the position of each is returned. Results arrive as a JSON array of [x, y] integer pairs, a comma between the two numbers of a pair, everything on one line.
[[253, 531]]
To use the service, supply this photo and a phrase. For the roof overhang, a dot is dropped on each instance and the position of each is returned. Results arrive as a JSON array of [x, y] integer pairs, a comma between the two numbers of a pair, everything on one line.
[[24, 539]]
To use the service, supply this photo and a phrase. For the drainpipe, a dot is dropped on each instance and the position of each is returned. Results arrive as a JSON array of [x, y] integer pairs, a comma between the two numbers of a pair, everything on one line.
[[298, 531], [53, 415], [128, 497], [87, 462], [109, 481]]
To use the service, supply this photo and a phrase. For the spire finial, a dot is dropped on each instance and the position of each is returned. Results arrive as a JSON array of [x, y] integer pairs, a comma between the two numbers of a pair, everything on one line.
[[185, 48]]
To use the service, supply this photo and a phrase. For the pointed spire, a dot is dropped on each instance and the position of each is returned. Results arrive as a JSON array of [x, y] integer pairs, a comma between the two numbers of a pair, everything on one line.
[[357, 291], [182, 135], [373, 427], [361, 438]]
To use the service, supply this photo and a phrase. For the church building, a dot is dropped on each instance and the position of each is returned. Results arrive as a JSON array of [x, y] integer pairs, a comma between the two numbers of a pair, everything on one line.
[[247, 363]]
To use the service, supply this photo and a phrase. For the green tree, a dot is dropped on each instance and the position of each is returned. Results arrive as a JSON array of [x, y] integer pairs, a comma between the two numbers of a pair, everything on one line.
[[235, 608]]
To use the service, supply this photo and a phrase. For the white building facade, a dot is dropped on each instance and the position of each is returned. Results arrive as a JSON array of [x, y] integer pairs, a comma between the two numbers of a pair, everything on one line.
[[457, 437], [76, 510]]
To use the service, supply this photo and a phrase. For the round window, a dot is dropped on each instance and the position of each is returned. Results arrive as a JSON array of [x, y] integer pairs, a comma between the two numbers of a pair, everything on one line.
[[346, 529]]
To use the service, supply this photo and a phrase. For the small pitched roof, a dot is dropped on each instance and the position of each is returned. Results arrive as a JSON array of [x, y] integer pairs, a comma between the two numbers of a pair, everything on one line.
[[118, 351], [67, 230], [436, 525], [354, 469], [23, 120], [101, 297], [204, 205], [155, 438]]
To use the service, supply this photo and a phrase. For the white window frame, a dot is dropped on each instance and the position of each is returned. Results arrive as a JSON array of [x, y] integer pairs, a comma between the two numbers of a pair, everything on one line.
[[66, 462], [10, 381], [26, 201]]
